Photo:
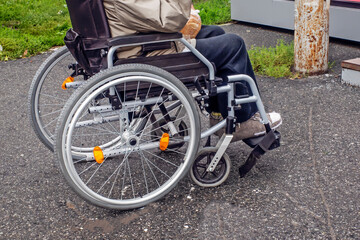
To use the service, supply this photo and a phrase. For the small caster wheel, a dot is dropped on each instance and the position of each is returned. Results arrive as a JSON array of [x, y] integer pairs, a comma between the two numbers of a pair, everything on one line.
[[203, 178]]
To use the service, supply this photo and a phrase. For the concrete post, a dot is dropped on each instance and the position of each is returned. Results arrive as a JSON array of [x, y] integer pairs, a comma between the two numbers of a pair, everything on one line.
[[311, 36]]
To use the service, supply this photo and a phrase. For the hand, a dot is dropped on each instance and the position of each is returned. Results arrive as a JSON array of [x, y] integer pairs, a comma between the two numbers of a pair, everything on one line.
[[193, 26]]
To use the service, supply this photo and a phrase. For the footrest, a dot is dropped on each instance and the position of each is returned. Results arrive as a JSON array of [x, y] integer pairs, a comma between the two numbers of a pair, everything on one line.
[[261, 145], [253, 142]]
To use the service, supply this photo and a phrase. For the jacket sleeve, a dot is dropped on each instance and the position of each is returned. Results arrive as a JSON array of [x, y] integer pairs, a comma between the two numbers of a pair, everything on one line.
[[153, 15]]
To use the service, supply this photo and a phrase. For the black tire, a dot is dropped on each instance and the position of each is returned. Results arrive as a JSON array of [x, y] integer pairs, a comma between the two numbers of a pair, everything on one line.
[[210, 179], [151, 175], [46, 97]]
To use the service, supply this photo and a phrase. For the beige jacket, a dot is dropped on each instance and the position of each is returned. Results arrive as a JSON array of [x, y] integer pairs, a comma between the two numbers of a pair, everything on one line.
[[128, 17]]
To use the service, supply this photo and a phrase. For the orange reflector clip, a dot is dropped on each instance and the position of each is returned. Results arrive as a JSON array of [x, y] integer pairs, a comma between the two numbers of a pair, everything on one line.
[[98, 154], [68, 80], [164, 142]]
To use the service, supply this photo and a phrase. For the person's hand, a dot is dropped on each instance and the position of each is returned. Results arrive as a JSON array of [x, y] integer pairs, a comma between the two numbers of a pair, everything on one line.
[[193, 26]]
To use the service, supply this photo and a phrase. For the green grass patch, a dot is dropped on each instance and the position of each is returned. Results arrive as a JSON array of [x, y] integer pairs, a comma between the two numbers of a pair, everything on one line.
[[213, 11], [31, 27], [275, 61]]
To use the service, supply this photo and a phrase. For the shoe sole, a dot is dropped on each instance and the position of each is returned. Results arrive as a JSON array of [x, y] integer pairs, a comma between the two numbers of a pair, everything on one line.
[[263, 133]]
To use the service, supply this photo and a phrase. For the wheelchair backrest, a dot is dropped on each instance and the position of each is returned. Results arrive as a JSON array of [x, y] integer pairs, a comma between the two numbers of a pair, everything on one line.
[[88, 18], [88, 38]]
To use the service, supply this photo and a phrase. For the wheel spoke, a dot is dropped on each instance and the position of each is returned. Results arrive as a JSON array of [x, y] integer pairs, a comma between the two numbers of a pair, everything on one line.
[[52, 121], [143, 168], [201, 165], [146, 161], [172, 150], [116, 171], [136, 97], [50, 113], [163, 159], [205, 173], [123, 183], [131, 180], [53, 97], [85, 170], [158, 120], [97, 169]]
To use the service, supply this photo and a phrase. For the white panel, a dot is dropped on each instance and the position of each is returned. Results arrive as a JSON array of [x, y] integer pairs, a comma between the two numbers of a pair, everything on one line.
[[344, 22], [351, 77], [283, 13], [254, 11]]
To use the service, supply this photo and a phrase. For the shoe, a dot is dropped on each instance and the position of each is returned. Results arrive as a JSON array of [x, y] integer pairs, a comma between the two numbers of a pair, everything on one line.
[[253, 127]]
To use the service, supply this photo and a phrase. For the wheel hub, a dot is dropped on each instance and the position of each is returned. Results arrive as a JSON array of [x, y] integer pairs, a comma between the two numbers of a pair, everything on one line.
[[130, 139], [133, 142]]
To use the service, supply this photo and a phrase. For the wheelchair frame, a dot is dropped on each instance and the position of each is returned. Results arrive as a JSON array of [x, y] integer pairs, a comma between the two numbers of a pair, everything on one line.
[[69, 155]]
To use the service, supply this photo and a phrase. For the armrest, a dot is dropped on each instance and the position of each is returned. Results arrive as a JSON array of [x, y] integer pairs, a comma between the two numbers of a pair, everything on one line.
[[142, 38]]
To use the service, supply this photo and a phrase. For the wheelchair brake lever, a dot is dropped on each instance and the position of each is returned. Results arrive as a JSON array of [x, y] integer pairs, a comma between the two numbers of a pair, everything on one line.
[[203, 99], [78, 70], [203, 103], [198, 86]]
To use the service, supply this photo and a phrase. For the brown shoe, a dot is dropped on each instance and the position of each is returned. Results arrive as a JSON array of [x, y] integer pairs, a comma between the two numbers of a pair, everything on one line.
[[253, 127]]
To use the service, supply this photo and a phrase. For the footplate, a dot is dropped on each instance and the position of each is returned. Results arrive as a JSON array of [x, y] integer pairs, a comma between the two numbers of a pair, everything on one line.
[[253, 142], [261, 145]]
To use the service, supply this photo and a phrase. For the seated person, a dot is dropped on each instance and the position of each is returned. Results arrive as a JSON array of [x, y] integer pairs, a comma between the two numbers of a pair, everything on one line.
[[227, 51]]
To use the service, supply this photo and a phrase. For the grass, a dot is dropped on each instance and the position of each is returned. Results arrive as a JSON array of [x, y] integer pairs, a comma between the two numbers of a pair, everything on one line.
[[213, 11], [275, 61], [30, 27]]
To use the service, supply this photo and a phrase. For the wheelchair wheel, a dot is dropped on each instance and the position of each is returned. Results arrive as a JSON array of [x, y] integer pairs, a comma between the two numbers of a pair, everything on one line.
[[203, 178], [46, 97], [105, 137]]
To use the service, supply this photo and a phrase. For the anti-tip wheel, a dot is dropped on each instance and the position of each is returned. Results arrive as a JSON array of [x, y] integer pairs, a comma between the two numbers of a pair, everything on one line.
[[204, 178]]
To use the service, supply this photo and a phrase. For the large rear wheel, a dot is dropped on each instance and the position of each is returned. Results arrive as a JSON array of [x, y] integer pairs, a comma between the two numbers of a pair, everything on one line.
[[107, 141]]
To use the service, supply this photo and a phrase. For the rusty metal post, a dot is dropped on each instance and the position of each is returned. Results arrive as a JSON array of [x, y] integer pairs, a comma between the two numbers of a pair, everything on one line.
[[311, 36]]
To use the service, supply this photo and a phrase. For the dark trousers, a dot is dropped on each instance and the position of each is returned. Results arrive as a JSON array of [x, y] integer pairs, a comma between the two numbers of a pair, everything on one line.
[[228, 52]]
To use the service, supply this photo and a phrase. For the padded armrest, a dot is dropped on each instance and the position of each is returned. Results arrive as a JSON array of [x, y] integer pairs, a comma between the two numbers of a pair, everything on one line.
[[142, 38]]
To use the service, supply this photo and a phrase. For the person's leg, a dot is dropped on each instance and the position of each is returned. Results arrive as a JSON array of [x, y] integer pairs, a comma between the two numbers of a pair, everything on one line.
[[228, 53], [208, 31]]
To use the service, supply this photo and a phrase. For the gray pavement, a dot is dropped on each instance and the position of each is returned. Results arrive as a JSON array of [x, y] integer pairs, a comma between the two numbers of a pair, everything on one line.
[[306, 189]]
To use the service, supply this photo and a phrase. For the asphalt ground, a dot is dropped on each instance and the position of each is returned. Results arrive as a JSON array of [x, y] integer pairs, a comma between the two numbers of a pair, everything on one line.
[[306, 189]]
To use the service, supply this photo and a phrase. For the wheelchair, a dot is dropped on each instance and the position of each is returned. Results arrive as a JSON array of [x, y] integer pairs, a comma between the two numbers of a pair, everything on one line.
[[126, 131]]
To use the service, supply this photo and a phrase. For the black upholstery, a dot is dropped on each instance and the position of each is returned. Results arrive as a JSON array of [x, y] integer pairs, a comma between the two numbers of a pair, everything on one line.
[[146, 37], [90, 26], [88, 18], [184, 66]]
